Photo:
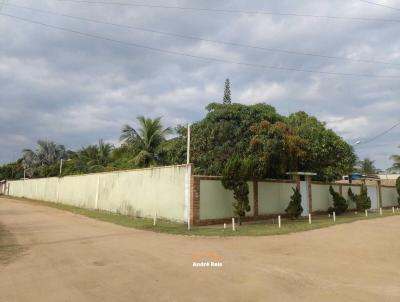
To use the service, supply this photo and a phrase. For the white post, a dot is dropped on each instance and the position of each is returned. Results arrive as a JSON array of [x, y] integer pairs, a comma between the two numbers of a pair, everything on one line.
[[188, 177], [366, 213], [334, 216], [309, 219], [279, 222], [155, 219], [233, 224], [380, 211], [224, 226], [329, 215], [393, 209]]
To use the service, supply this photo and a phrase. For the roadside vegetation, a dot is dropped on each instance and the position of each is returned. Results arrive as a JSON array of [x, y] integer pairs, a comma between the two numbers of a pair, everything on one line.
[[274, 144], [260, 228], [238, 142]]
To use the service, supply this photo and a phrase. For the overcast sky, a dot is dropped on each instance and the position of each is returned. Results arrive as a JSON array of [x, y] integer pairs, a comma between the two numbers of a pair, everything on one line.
[[75, 90]]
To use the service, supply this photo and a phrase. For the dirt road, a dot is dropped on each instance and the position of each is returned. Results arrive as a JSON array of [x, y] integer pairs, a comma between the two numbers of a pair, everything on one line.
[[73, 258]]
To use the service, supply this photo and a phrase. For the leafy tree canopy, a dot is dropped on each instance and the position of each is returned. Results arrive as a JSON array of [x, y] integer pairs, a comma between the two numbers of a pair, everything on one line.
[[274, 145], [327, 154], [225, 132]]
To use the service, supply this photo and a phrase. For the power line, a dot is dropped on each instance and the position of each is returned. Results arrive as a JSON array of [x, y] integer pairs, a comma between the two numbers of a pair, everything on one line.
[[380, 134], [289, 52], [379, 4], [210, 59], [230, 11]]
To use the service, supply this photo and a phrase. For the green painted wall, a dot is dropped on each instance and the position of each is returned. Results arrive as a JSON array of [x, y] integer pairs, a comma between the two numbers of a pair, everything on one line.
[[389, 197], [136, 192], [273, 197], [321, 198], [216, 201]]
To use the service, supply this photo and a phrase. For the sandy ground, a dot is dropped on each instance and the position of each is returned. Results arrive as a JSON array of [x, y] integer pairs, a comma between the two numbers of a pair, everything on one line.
[[73, 258]]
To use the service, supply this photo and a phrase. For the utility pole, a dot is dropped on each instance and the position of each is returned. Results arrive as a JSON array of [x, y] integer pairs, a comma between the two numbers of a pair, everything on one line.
[[188, 177], [188, 145]]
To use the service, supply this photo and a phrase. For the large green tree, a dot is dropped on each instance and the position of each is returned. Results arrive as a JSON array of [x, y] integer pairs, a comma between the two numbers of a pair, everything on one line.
[[13, 170], [146, 142], [225, 132], [275, 148], [327, 154], [175, 148]]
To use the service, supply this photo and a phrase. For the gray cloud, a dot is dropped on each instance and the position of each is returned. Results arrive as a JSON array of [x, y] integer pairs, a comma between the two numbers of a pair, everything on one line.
[[75, 90]]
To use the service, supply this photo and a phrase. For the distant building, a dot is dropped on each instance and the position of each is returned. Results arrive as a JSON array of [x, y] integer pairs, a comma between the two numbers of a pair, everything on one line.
[[388, 180], [384, 175]]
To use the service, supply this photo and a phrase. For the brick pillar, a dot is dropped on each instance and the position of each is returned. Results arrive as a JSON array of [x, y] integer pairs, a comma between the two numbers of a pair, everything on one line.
[[195, 201], [255, 197]]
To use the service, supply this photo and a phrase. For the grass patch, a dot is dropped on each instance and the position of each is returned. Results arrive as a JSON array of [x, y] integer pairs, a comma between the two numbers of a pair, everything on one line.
[[9, 247], [262, 228]]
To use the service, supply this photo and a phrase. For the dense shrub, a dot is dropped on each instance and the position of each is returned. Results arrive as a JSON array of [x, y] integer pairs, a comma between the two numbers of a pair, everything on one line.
[[294, 208], [398, 188], [362, 201], [234, 178], [339, 202]]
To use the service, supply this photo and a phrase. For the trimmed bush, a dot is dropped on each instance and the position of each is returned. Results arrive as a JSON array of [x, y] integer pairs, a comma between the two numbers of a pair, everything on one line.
[[362, 201], [234, 178], [294, 208], [339, 202]]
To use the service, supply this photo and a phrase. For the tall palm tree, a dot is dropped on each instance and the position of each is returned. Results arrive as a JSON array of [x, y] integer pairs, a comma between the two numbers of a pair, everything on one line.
[[96, 156], [46, 153], [146, 140], [366, 166]]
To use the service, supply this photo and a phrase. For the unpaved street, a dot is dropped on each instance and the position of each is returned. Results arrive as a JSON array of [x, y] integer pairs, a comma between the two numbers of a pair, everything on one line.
[[67, 257]]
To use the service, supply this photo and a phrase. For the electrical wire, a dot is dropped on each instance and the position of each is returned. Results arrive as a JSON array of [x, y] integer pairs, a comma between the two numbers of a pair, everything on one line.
[[230, 11], [380, 134], [379, 4], [210, 59], [288, 52], [177, 53]]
